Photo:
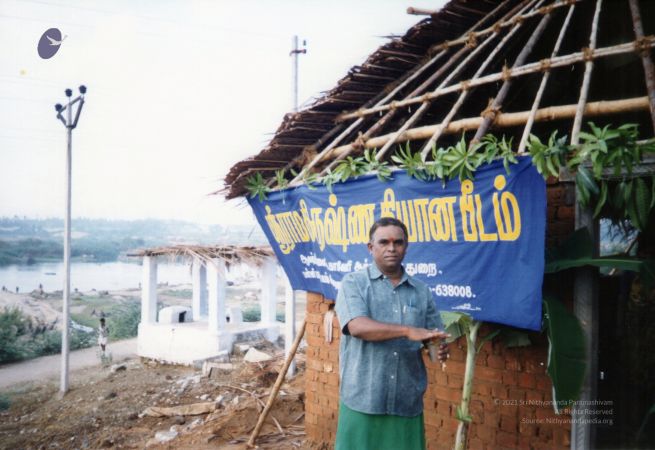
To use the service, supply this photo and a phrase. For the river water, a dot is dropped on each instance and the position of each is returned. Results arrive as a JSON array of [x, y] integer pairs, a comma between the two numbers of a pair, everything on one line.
[[86, 276]]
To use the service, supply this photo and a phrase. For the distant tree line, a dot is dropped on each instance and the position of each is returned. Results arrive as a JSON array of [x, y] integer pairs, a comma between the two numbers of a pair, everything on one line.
[[31, 250]]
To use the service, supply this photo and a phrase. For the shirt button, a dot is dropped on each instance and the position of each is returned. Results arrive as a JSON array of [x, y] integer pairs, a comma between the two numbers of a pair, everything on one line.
[[392, 377], [395, 310], [395, 353]]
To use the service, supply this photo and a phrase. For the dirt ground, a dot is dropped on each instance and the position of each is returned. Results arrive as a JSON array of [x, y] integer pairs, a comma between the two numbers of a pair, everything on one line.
[[106, 408]]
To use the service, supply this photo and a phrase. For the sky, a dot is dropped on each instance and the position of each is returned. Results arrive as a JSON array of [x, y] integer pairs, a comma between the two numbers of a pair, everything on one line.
[[178, 91]]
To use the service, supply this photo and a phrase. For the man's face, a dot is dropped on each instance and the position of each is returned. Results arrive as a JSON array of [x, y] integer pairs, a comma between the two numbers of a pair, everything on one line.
[[388, 248]]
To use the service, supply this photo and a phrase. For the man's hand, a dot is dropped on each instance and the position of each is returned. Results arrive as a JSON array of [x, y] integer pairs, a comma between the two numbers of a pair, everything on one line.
[[422, 334], [443, 354]]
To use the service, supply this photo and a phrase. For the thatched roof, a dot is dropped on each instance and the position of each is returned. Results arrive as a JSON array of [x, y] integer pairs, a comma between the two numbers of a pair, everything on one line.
[[510, 67], [231, 254]]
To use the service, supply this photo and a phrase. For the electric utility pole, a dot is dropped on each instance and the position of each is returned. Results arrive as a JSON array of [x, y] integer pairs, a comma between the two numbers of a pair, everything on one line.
[[290, 296], [70, 123], [294, 53]]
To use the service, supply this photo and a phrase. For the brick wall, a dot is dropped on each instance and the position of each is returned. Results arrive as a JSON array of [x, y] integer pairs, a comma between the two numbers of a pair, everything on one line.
[[511, 391]]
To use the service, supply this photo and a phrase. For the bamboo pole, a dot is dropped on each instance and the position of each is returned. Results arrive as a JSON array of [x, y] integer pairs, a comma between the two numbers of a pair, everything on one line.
[[421, 11], [507, 23], [544, 82], [276, 387], [426, 104], [391, 113], [469, 372], [492, 112], [503, 120], [460, 101], [589, 67], [646, 60], [546, 64]]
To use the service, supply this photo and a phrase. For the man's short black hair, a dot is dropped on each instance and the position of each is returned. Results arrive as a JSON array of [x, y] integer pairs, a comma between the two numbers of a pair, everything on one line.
[[385, 222]]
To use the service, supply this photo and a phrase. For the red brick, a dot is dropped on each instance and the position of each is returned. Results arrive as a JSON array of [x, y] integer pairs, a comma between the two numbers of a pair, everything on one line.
[[508, 423], [535, 366], [565, 213], [487, 373], [512, 363], [510, 378], [543, 383], [527, 380], [455, 381], [536, 397], [516, 394], [496, 362], [443, 393], [505, 439], [486, 433], [475, 444]]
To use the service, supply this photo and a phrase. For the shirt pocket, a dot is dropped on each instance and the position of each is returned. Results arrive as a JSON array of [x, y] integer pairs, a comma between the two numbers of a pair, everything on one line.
[[413, 316]]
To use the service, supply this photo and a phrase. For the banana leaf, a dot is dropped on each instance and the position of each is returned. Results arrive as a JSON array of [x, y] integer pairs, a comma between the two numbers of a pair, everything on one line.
[[577, 251], [566, 353]]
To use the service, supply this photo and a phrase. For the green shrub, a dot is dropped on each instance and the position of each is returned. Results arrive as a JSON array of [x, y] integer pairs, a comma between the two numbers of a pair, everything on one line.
[[124, 321], [14, 326]]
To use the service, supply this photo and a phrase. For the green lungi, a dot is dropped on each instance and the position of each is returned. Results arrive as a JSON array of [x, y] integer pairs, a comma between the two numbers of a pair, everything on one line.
[[359, 431]]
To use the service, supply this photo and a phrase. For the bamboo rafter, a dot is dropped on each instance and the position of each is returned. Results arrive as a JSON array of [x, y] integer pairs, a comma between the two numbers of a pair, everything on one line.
[[527, 69], [550, 113], [589, 67], [460, 101], [426, 104], [514, 12], [646, 60], [490, 114], [495, 28], [410, 78], [544, 82]]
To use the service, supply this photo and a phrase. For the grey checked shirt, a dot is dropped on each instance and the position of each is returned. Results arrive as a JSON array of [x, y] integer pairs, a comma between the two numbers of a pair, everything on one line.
[[385, 377]]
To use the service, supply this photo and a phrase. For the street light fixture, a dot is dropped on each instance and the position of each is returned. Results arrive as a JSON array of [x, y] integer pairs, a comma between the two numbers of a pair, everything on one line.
[[70, 123]]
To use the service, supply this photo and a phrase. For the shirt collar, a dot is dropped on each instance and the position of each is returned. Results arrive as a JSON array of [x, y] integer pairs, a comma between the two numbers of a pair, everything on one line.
[[374, 273]]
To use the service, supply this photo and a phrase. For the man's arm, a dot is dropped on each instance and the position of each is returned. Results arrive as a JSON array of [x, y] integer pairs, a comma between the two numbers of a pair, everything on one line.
[[371, 330]]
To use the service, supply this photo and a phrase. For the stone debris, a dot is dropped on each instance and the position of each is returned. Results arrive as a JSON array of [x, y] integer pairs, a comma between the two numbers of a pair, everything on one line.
[[253, 356], [117, 368], [193, 409]]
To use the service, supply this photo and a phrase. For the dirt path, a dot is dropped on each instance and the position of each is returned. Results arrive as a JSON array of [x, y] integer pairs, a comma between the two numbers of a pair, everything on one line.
[[45, 367]]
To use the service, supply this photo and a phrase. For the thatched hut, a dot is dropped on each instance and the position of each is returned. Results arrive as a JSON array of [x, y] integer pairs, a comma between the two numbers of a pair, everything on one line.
[[209, 328], [510, 68]]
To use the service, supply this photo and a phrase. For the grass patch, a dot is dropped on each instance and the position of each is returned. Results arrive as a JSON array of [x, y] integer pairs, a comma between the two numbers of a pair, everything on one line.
[[178, 293]]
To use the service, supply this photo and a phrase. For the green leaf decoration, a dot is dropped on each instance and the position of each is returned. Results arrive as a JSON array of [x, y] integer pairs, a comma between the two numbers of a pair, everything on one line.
[[280, 179], [566, 353], [601, 199], [257, 186]]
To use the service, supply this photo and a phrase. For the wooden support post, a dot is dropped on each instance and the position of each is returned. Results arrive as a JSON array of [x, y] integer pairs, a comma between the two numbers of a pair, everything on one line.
[[289, 324], [149, 290], [585, 307], [276, 386]]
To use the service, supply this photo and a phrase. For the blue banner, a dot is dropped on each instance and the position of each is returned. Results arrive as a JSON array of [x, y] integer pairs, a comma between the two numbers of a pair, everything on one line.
[[478, 244]]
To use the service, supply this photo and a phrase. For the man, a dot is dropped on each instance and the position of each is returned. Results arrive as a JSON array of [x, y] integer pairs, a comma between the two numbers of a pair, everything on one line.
[[103, 333], [385, 316]]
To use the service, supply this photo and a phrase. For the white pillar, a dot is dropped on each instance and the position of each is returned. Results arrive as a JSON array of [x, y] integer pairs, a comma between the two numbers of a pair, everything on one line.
[[216, 279], [268, 298], [289, 324], [199, 280], [149, 290]]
